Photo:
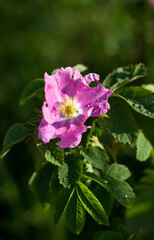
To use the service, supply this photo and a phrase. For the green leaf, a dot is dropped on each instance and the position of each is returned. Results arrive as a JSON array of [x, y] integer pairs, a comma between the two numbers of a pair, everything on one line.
[[96, 157], [121, 191], [31, 90], [144, 147], [40, 181], [148, 86], [121, 123], [80, 67], [140, 99], [75, 214], [51, 152], [104, 197], [124, 75], [117, 171], [96, 178], [110, 235], [30, 125], [91, 204], [71, 171], [54, 71], [14, 135], [62, 203], [63, 176]]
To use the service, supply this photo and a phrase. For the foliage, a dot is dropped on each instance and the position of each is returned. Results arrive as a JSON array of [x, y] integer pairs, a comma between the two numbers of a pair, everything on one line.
[[122, 128], [51, 153], [144, 147], [124, 75], [75, 214], [90, 178], [14, 135], [31, 90], [140, 99]]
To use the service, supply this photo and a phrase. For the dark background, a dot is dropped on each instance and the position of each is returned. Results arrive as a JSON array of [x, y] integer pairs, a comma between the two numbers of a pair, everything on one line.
[[37, 36]]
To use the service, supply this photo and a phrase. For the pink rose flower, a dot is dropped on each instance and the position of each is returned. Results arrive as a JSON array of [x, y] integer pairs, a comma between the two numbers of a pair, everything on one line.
[[69, 102]]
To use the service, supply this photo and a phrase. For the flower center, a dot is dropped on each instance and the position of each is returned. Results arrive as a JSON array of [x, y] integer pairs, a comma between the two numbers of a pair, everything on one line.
[[68, 107]]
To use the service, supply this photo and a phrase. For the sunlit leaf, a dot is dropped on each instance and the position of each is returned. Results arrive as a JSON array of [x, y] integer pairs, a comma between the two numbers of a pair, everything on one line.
[[80, 67], [117, 171], [148, 86], [51, 152], [91, 204], [124, 75], [144, 147], [104, 197], [96, 178], [54, 71], [140, 99]]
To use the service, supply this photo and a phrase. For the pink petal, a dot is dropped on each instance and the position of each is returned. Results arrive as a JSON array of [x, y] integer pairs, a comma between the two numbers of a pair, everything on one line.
[[66, 80], [62, 76], [47, 131], [91, 77], [72, 138], [80, 120], [87, 95], [100, 108], [51, 115], [106, 93], [53, 93]]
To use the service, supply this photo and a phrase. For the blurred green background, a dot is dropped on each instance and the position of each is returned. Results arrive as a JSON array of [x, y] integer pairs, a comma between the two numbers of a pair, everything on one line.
[[37, 36]]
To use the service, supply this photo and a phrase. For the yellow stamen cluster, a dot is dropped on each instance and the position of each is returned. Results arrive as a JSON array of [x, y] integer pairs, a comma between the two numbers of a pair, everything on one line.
[[67, 107]]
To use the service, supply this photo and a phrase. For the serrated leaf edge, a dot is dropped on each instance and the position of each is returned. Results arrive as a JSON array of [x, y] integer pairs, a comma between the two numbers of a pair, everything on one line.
[[107, 224]]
